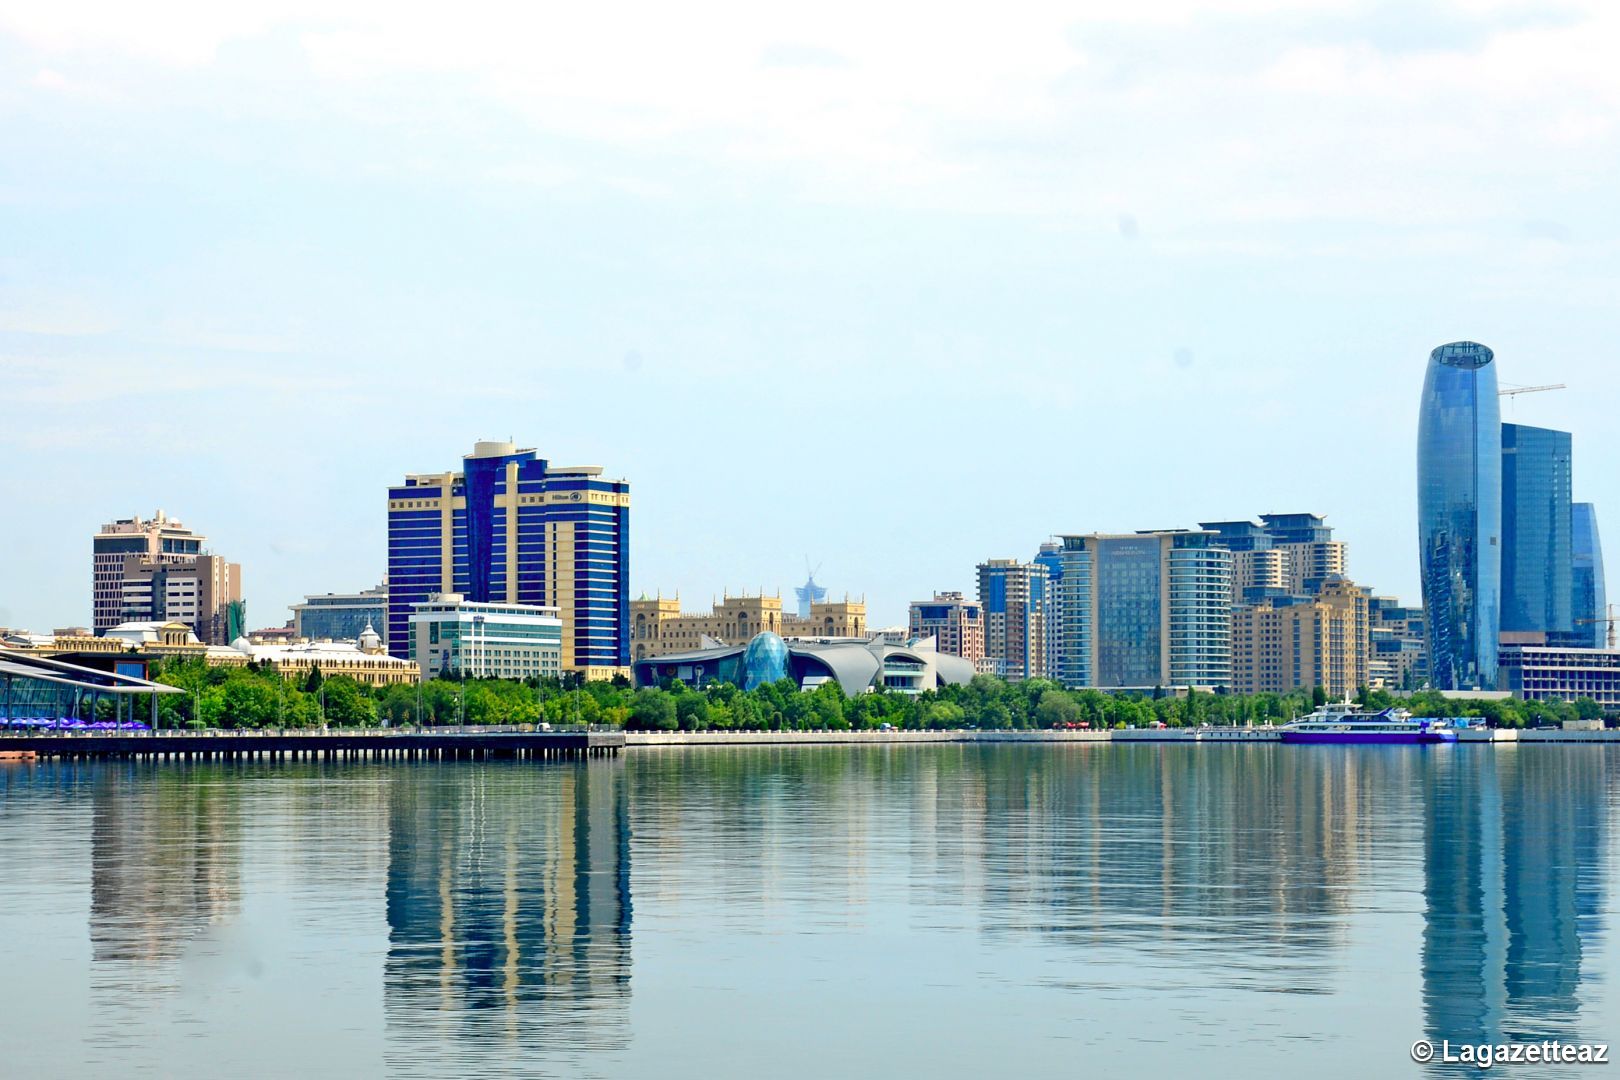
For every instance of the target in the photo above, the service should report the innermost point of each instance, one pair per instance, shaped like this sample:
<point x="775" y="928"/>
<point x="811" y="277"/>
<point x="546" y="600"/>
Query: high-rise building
<point x="157" y="571"/>
<point x="1313" y="555"/>
<point x="158" y="539"/>
<point x="1050" y="556"/>
<point x="1285" y="555"/>
<point x="1014" y="598"/>
<point x="1589" y="602"/>
<point x="1460" y="515"/>
<point x="1145" y="609"/>
<point x="510" y="527"/>
<point x="341" y="616"/>
<point x="956" y="625"/>
<point x="1260" y="568"/>
<point x="204" y="592"/>
<point x="1398" y="659"/>
<point x="1285" y="643"/>
<point x="1537" y="517"/>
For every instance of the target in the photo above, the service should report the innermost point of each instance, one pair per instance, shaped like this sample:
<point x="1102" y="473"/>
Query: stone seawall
<point x="1222" y="736"/>
<point x="829" y="738"/>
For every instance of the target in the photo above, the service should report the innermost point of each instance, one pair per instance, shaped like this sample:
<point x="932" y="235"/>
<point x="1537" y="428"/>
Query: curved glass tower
<point x="1460" y="515"/>
<point x="1589" y="602"/>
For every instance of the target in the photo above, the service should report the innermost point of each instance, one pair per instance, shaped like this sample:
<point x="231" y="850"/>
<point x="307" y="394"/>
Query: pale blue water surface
<point x="942" y="911"/>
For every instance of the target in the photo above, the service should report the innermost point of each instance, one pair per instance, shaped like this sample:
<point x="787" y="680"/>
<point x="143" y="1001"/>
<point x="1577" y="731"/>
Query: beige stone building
<point x="659" y="627"/>
<point x="363" y="660"/>
<point x="157" y="570"/>
<point x="1279" y="646"/>
<point x="1267" y="568"/>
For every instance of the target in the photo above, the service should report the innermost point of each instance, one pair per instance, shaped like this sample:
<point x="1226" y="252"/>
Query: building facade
<point x="1398" y="654"/>
<point x="658" y="626"/>
<point x="1313" y="555"/>
<point x="855" y="667"/>
<point x="451" y="635"/>
<point x="341" y="616"/>
<point x="156" y="570"/>
<point x="1537" y="519"/>
<point x="1459" y="464"/>
<point x="1285" y="643"/>
<point x="1589" y="600"/>
<point x="844" y="618"/>
<point x="363" y="659"/>
<point x="1550" y="673"/>
<point x="956" y="624"/>
<point x="1014" y="597"/>
<point x="1144" y="610"/>
<point x="1283" y="555"/>
<point x="511" y="528"/>
<point x="138" y="547"/>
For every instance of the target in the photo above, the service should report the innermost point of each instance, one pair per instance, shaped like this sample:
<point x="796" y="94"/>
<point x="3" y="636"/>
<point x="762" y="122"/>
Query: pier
<point x="346" y="745"/>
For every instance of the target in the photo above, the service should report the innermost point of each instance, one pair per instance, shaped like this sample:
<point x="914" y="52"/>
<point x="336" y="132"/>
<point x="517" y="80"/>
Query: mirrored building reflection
<point x="165" y="863"/>
<point x="508" y="910"/>
<point x="1515" y="861"/>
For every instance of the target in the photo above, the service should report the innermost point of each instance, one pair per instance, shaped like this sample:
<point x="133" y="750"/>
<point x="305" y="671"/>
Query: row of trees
<point x="258" y="697"/>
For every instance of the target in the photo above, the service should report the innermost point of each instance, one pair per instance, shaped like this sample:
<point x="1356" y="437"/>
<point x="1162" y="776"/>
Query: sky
<point x="885" y="285"/>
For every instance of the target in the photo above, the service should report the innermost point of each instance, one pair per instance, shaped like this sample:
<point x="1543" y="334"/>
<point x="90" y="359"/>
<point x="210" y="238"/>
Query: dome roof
<point x="243" y="645"/>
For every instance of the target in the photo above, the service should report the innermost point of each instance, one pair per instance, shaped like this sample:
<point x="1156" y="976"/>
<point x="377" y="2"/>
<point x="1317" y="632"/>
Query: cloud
<point x="1258" y="111"/>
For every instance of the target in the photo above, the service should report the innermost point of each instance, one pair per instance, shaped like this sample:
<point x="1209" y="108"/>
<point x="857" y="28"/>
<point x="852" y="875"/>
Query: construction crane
<point x="1610" y="619"/>
<point x="1510" y="390"/>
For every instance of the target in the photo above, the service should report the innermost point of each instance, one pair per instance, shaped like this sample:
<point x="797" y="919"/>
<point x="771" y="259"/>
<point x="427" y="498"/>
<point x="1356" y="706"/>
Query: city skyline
<point x="259" y="615"/>
<point x="267" y="257"/>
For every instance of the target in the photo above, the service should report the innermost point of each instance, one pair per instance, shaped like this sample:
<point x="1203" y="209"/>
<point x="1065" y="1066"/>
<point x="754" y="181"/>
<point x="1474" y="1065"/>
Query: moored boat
<point x="1344" y="724"/>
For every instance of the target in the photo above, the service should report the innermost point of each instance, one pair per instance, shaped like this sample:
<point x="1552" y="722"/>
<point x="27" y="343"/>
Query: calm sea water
<point x="806" y="912"/>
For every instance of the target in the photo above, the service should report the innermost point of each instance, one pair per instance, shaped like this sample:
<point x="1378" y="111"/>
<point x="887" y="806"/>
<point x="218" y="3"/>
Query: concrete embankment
<point x="862" y="738"/>
<point x="1130" y="735"/>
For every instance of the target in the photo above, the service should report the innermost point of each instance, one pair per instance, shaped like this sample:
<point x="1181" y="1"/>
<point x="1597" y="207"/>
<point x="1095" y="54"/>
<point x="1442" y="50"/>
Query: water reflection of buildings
<point x="1243" y="853"/>
<point x="1514" y="869"/>
<point x="508" y="909"/>
<point x="165" y="863"/>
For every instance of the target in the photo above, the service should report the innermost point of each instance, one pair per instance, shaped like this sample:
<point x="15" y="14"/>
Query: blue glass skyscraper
<point x="1588" y="601"/>
<point x="1460" y="514"/>
<point x="1536" y="519"/>
<point x="511" y="527"/>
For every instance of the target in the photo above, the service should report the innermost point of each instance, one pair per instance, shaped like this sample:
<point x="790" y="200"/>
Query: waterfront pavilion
<point x="39" y="692"/>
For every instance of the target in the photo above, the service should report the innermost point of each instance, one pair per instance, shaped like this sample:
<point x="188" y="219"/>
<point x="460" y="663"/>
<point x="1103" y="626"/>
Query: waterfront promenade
<point x="425" y="744"/>
<point x="525" y="743"/>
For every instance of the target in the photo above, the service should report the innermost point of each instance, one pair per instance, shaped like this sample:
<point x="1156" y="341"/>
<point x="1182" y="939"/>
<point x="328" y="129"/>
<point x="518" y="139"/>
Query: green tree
<point x="652" y="710"/>
<point x="1056" y="708"/>
<point x="692" y="712"/>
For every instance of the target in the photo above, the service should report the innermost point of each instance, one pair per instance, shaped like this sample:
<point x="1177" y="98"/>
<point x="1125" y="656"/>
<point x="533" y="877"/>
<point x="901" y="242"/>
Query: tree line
<point x="257" y="696"/>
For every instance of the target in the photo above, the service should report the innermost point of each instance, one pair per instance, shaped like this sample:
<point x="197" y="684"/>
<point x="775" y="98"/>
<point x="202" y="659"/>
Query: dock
<point x="300" y="745"/>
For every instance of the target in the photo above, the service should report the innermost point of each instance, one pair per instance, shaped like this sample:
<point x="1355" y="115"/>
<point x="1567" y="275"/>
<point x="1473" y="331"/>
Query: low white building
<point x="451" y="635"/>
<point x="363" y="659"/>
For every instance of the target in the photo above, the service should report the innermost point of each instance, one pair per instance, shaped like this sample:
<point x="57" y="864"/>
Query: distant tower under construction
<point x="809" y="593"/>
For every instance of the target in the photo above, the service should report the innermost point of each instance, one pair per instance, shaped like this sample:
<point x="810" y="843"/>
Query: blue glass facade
<point x="1460" y="514"/>
<point x="765" y="660"/>
<point x="510" y="527"/>
<point x="1588" y="600"/>
<point x="1148" y="609"/>
<point x="1536" y="521"/>
<point x="1128" y="602"/>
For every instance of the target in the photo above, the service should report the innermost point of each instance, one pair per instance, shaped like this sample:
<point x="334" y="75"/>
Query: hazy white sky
<point x="894" y="287"/>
